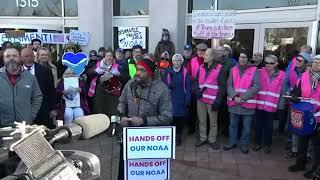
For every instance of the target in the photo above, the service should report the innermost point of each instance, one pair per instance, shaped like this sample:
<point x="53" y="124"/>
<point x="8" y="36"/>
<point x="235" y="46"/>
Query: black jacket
<point x="46" y="84"/>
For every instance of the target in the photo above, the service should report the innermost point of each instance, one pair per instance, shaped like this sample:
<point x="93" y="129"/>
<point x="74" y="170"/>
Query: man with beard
<point x="20" y="95"/>
<point x="145" y="101"/>
<point x="35" y="43"/>
<point x="46" y="84"/>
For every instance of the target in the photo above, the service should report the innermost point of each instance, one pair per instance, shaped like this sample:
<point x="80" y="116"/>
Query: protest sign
<point x="71" y="100"/>
<point x="148" y="142"/>
<point x="207" y="24"/>
<point x="81" y="38"/>
<point x="146" y="169"/>
<point x="130" y="36"/>
<point x="49" y="38"/>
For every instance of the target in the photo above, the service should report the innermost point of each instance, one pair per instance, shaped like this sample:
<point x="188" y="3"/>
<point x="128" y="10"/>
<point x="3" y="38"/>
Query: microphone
<point x="114" y="120"/>
<point x="83" y="127"/>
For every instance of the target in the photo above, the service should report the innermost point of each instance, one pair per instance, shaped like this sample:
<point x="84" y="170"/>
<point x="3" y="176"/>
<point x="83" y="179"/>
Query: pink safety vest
<point x="209" y="84"/>
<point x="293" y="77"/>
<point x="307" y="92"/>
<point x="242" y="85"/>
<point x="184" y="79"/>
<point x="269" y="93"/>
<point x="93" y="84"/>
<point x="194" y="67"/>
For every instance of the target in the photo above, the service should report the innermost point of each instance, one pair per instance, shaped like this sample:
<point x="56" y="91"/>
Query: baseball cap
<point x="187" y="47"/>
<point x="120" y="50"/>
<point x="306" y="56"/>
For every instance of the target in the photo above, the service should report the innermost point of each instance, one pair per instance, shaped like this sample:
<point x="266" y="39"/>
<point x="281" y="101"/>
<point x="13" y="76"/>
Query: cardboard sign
<point x="207" y="24"/>
<point x="81" y="38"/>
<point x="130" y="36"/>
<point x="49" y="38"/>
<point x="76" y="62"/>
<point x="72" y="100"/>
<point x="149" y="142"/>
<point x="146" y="169"/>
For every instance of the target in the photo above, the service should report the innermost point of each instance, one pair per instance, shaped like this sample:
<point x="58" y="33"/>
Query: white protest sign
<point x="72" y="100"/>
<point x="149" y="142"/>
<point x="207" y="24"/>
<point x="49" y="38"/>
<point x="146" y="169"/>
<point x="130" y="36"/>
<point x="81" y="38"/>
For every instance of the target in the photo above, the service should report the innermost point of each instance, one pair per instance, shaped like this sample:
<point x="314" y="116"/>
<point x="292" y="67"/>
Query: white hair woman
<point x="179" y="83"/>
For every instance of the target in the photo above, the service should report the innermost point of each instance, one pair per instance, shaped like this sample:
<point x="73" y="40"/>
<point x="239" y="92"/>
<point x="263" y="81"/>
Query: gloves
<point x="294" y="99"/>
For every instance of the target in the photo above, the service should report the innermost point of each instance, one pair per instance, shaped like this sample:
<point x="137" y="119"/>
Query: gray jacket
<point x="21" y="102"/>
<point x="152" y="103"/>
<point x="237" y="109"/>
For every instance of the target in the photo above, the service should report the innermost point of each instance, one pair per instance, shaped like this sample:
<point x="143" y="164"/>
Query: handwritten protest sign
<point x="81" y="38"/>
<point x="130" y="36"/>
<point x="207" y="24"/>
<point x="146" y="169"/>
<point x="49" y="38"/>
<point x="148" y="142"/>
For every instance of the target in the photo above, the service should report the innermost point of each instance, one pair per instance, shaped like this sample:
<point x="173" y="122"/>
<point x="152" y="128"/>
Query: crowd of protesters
<point x="211" y="91"/>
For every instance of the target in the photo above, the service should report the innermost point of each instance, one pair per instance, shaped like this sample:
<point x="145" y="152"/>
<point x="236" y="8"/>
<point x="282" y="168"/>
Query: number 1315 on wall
<point x="27" y="3"/>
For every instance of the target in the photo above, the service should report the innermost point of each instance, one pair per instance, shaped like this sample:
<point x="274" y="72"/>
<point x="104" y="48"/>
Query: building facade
<point x="264" y="25"/>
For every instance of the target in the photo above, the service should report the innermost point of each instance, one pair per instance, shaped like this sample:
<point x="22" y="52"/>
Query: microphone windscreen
<point x="93" y="124"/>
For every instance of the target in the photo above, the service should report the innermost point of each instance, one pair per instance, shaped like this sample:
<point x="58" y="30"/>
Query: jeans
<point x="233" y="129"/>
<point x="264" y="127"/>
<point x="72" y="113"/>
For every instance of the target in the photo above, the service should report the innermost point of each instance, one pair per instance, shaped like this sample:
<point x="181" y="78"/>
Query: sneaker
<point x="298" y="166"/>
<point x="291" y="154"/>
<point x="214" y="145"/>
<point x="267" y="149"/>
<point x="245" y="149"/>
<point x="256" y="147"/>
<point x="229" y="147"/>
<point x="200" y="143"/>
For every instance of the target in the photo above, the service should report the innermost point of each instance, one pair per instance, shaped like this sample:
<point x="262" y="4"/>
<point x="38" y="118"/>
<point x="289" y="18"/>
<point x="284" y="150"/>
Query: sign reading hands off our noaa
<point x="76" y="62"/>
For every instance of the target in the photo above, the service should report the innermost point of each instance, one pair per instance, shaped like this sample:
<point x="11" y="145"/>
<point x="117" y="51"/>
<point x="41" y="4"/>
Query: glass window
<point x="284" y="43"/>
<point x="130" y="7"/>
<point x="70" y="8"/>
<point x="247" y="4"/>
<point x="47" y="8"/>
<point x="67" y="29"/>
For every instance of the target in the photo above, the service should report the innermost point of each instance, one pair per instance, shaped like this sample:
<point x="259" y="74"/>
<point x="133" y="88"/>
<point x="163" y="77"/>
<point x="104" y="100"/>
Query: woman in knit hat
<point x="165" y="44"/>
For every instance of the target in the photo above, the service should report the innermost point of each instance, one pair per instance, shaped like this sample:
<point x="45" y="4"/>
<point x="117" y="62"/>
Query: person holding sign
<point x="145" y="101"/>
<point x="209" y="89"/>
<point x="307" y="90"/>
<point x="243" y="85"/>
<point x="72" y="97"/>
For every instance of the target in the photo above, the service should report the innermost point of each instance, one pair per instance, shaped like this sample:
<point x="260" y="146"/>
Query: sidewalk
<point x="201" y="163"/>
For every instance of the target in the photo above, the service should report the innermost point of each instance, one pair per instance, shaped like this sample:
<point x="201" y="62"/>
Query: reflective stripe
<point x="209" y="86"/>
<point x="241" y="90"/>
<point x="269" y="93"/>
<point x="267" y="103"/>
<point x="316" y="114"/>
<point x="251" y="101"/>
<point x="209" y="97"/>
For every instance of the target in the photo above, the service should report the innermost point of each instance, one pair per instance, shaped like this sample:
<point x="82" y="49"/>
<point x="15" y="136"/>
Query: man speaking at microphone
<point x="145" y="101"/>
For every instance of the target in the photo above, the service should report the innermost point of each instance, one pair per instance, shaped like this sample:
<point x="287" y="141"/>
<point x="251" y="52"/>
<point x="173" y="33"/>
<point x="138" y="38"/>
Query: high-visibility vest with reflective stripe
<point x="194" y="67"/>
<point x="312" y="96"/>
<point x="208" y="84"/>
<point x="184" y="79"/>
<point x="242" y="85"/>
<point x="132" y="69"/>
<point x="293" y="77"/>
<point x="269" y="93"/>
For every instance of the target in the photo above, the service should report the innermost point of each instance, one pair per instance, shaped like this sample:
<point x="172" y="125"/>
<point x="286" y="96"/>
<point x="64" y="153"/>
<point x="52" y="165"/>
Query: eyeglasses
<point x="271" y="63"/>
<point x="299" y="59"/>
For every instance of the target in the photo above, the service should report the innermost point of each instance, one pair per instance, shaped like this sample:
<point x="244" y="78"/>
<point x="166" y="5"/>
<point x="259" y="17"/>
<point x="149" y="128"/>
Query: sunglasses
<point x="271" y="63"/>
<point x="299" y="59"/>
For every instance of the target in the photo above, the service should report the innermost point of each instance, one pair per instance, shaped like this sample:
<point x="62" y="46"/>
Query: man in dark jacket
<point x="145" y="101"/>
<point x="45" y="80"/>
<point x="123" y="67"/>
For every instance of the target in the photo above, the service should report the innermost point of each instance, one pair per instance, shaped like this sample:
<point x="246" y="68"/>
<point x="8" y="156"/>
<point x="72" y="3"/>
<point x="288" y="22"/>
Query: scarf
<point x="315" y="78"/>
